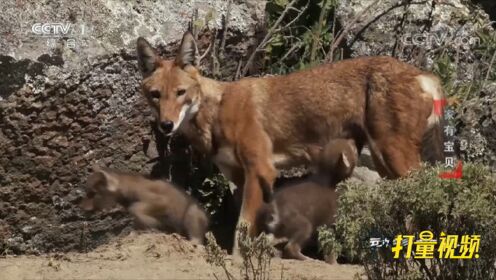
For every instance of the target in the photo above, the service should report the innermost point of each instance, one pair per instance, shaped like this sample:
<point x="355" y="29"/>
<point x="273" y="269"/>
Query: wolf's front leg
<point x="259" y="174"/>
<point x="252" y="202"/>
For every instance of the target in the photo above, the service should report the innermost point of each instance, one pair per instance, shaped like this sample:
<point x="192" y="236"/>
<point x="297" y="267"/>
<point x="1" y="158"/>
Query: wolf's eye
<point x="155" y="94"/>
<point x="181" y="92"/>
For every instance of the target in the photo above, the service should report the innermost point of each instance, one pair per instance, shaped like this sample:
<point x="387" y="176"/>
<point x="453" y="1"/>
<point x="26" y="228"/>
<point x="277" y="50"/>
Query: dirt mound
<point x="153" y="256"/>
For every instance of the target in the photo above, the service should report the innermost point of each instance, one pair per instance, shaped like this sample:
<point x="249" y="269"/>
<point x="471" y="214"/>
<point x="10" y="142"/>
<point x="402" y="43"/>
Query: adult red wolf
<point x="254" y="126"/>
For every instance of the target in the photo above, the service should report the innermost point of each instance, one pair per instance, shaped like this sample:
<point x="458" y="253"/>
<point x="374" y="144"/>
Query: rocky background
<point x="70" y="102"/>
<point x="64" y="109"/>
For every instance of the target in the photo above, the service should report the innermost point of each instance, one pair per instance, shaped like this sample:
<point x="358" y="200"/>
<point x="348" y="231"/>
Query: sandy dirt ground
<point x="154" y="256"/>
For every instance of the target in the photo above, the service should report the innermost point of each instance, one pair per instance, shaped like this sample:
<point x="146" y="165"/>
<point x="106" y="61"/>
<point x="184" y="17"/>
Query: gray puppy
<point x="298" y="209"/>
<point x="153" y="203"/>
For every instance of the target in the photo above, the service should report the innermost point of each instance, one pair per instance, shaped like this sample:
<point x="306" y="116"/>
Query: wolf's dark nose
<point x="167" y="126"/>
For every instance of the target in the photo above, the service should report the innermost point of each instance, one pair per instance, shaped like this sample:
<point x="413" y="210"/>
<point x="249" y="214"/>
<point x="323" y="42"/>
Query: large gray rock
<point x="96" y="28"/>
<point x="477" y="119"/>
<point x="106" y="26"/>
<point x="365" y="175"/>
<point x="64" y="108"/>
<point x="417" y="33"/>
<point x="413" y="32"/>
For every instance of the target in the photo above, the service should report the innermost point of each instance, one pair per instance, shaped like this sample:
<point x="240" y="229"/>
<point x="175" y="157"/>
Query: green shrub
<point x="256" y="254"/>
<point x="422" y="201"/>
<point x="304" y="36"/>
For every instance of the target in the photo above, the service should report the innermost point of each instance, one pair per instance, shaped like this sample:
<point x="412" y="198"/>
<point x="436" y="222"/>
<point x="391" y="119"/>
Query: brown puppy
<point x="153" y="203"/>
<point x="298" y="209"/>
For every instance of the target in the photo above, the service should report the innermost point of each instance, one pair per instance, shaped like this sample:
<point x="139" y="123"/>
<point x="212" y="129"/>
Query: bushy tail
<point x="433" y="138"/>
<point x="432" y="144"/>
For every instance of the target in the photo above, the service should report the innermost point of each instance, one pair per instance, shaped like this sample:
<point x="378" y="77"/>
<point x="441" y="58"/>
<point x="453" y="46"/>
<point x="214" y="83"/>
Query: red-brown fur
<point x="252" y="126"/>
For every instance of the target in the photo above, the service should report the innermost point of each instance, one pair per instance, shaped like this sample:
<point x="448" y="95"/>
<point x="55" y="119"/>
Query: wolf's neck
<point x="200" y="133"/>
<point x="211" y="90"/>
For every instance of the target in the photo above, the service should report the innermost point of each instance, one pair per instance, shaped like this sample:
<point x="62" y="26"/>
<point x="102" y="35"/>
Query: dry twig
<point x="267" y="37"/>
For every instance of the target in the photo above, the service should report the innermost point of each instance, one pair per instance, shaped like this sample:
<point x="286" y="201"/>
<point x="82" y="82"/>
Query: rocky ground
<point x="155" y="256"/>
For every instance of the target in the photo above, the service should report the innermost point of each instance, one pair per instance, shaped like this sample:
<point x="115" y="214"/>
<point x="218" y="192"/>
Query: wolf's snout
<point x="167" y="126"/>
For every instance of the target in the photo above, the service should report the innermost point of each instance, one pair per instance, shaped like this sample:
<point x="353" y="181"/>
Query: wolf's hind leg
<point x="401" y="155"/>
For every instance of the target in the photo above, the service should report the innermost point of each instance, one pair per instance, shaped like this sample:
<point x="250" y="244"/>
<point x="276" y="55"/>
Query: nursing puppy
<point x="298" y="209"/>
<point x="153" y="203"/>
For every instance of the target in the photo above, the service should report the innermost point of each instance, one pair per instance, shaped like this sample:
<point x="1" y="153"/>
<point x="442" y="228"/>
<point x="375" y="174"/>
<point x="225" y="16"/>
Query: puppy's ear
<point x="147" y="57"/>
<point x="343" y="158"/>
<point x="188" y="51"/>
<point x="112" y="182"/>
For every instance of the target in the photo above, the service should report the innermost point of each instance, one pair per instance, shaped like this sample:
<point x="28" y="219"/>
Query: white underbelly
<point x="225" y="157"/>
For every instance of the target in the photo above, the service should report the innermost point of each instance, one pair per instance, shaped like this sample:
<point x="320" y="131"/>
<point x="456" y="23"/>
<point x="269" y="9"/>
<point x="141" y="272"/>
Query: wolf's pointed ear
<point x="147" y="57"/>
<point x="112" y="181"/>
<point x="188" y="51"/>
